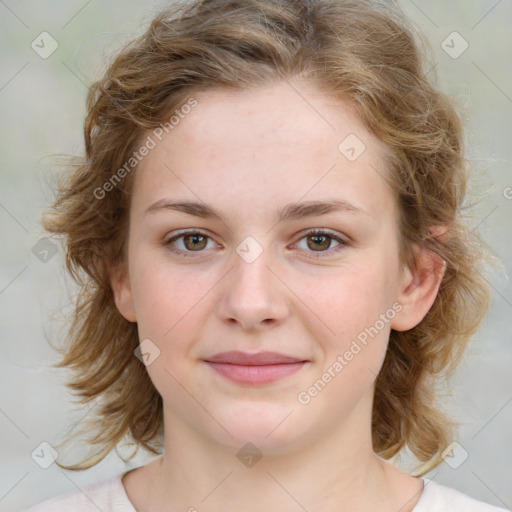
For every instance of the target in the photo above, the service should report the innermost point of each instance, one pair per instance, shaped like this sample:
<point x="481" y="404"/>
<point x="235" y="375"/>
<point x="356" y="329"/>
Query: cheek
<point x="360" y="310"/>
<point x="353" y="297"/>
<point x="357" y="307"/>
<point x="168" y="310"/>
<point x="165" y="300"/>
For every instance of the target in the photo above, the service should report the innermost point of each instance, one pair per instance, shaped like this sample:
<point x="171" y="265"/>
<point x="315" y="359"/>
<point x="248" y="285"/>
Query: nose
<point x="252" y="294"/>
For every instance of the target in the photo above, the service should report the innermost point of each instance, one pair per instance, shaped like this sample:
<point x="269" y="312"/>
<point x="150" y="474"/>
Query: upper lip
<point x="259" y="358"/>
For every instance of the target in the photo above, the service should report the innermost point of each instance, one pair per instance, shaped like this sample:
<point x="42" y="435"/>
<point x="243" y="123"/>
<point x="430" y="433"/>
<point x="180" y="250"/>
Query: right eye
<point x="190" y="241"/>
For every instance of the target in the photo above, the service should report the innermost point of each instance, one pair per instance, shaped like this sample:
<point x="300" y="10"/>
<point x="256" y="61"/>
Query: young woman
<point x="274" y="271"/>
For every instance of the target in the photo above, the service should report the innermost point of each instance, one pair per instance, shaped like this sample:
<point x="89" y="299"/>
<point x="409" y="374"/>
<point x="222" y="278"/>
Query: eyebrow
<point x="292" y="211"/>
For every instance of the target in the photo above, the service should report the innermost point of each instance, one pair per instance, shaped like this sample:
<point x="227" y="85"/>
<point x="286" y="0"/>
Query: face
<point x="274" y="272"/>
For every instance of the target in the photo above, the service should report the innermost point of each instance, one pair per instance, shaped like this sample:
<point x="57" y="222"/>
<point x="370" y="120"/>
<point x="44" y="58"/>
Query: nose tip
<point x="252" y="296"/>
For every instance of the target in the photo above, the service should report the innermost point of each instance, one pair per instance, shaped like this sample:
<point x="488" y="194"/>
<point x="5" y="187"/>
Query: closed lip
<point x="256" y="359"/>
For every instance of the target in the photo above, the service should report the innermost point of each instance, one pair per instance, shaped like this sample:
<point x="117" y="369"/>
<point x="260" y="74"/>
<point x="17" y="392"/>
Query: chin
<point x="272" y="428"/>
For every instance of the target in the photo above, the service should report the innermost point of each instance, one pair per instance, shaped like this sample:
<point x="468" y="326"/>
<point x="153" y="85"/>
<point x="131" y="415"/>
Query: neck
<point x="337" y="471"/>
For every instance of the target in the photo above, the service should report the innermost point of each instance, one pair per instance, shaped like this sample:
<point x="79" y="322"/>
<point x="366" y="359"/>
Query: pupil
<point x="320" y="237"/>
<point x="194" y="243"/>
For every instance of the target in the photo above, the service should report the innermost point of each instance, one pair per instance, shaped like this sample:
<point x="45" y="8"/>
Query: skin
<point x="248" y="154"/>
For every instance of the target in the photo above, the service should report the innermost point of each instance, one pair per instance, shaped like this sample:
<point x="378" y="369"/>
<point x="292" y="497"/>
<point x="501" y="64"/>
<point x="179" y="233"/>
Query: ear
<point x="419" y="286"/>
<point x="123" y="296"/>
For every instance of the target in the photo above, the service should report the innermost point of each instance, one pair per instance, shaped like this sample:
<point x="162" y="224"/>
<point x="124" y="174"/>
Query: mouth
<point x="255" y="369"/>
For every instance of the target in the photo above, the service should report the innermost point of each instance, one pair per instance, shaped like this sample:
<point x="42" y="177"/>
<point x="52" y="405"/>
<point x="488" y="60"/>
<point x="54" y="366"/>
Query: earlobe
<point x="418" y="289"/>
<point x="123" y="296"/>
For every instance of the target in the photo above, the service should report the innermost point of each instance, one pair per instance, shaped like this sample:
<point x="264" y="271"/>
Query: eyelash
<point x="317" y="254"/>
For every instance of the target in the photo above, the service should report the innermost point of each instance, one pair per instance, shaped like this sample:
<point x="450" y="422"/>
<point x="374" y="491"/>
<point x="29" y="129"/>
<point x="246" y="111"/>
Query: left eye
<point x="320" y="242"/>
<point x="195" y="241"/>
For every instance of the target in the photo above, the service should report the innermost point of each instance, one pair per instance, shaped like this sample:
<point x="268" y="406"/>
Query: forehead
<point x="283" y="114"/>
<point x="282" y="140"/>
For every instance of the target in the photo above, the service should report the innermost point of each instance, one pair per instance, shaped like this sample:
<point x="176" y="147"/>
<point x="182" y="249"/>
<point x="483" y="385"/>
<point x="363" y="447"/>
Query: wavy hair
<point x="364" y="52"/>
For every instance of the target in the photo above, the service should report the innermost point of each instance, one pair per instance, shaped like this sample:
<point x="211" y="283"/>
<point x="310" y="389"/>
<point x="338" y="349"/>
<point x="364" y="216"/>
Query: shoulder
<point x="439" y="498"/>
<point x="107" y="496"/>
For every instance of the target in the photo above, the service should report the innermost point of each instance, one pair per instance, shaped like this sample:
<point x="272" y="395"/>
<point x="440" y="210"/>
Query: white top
<point x="110" y="496"/>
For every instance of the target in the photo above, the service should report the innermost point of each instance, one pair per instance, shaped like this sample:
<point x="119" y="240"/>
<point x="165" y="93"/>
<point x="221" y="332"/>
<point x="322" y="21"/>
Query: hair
<point x="362" y="52"/>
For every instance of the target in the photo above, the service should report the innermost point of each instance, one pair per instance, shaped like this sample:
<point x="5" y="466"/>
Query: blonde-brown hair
<point x="360" y="51"/>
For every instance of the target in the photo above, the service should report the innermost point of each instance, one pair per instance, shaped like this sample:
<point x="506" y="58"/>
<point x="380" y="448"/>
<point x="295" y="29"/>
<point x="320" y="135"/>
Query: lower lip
<point x="256" y="374"/>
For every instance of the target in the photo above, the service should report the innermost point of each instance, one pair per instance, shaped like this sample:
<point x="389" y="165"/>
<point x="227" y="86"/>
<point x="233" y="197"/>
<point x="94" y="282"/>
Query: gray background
<point x="42" y="109"/>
